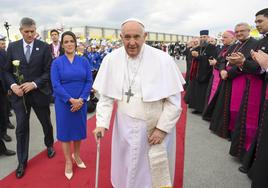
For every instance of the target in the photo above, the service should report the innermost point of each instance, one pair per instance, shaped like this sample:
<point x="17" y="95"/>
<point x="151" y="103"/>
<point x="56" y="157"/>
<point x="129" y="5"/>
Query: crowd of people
<point x="4" y="107"/>
<point x="227" y="85"/>
<point x="174" y="49"/>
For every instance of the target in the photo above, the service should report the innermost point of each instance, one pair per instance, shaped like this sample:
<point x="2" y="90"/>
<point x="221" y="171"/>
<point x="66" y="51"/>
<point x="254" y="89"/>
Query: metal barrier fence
<point x="91" y="32"/>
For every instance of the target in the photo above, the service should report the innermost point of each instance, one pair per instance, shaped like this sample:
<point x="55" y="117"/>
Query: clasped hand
<point x="76" y="104"/>
<point x="236" y="59"/>
<point x="260" y="57"/>
<point x="212" y="62"/>
<point x="195" y="53"/>
<point x="224" y="74"/>
<point x="22" y="89"/>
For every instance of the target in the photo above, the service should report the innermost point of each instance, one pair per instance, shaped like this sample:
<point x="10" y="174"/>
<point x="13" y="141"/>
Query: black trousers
<point x="23" y="130"/>
<point x="3" y="111"/>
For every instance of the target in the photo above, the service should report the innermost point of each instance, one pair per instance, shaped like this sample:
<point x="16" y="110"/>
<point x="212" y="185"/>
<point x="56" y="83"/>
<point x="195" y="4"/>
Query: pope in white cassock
<point x="146" y="84"/>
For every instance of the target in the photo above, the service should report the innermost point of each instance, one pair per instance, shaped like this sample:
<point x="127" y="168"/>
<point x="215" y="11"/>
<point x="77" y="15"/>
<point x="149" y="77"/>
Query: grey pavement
<point x="207" y="162"/>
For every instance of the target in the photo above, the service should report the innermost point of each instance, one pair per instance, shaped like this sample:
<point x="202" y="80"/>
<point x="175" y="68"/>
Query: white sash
<point x="150" y="113"/>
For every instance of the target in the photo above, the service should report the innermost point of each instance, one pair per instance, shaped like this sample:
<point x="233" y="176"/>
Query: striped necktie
<point x="28" y="53"/>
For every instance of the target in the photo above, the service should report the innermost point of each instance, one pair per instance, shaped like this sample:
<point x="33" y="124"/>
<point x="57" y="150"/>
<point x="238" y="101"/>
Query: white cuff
<point x="35" y="86"/>
<point x="263" y="70"/>
<point x="12" y="85"/>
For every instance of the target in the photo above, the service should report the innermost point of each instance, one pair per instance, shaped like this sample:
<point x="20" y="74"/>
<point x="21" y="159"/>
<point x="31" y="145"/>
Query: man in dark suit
<point x="4" y="119"/>
<point x="9" y="125"/>
<point x="33" y="61"/>
<point x="3" y="101"/>
<point x="55" y="47"/>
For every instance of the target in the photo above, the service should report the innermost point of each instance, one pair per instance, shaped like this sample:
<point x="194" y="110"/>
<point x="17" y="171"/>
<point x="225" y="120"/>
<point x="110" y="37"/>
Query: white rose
<point x="16" y="63"/>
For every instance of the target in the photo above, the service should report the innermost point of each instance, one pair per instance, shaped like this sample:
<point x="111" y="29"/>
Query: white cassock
<point x="156" y="83"/>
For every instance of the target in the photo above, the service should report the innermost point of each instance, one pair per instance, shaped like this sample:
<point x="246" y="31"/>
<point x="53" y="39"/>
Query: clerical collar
<point x="240" y="45"/>
<point x="240" y="42"/>
<point x="138" y="56"/>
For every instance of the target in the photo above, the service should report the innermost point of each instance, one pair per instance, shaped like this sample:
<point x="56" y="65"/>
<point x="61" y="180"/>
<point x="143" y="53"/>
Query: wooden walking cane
<point x="98" y="159"/>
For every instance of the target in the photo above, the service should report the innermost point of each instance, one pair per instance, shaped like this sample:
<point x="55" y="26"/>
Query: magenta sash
<point x="238" y="88"/>
<point x="266" y="92"/>
<point x="253" y="107"/>
<point x="215" y="84"/>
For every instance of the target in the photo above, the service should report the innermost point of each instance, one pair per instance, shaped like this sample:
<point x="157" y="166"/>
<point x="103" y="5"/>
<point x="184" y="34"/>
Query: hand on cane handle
<point x="99" y="133"/>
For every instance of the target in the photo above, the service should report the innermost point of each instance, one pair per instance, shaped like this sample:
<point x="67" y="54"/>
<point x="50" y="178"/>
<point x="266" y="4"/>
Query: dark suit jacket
<point x="250" y="65"/>
<point x="3" y="61"/>
<point x="51" y="50"/>
<point x="37" y="70"/>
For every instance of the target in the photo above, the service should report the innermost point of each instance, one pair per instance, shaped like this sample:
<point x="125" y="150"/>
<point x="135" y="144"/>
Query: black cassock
<point x="220" y="119"/>
<point x="260" y="165"/>
<point x="249" y="157"/>
<point x="188" y="65"/>
<point x="210" y="103"/>
<point x="256" y="159"/>
<point x="241" y="134"/>
<point x="199" y="79"/>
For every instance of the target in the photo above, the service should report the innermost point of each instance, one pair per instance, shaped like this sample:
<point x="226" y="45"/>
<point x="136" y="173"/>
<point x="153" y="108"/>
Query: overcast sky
<point x="170" y="16"/>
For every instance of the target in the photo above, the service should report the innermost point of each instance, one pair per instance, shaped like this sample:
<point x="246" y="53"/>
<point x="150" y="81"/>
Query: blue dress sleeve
<point x="58" y="90"/>
<point x="88" y="82"/>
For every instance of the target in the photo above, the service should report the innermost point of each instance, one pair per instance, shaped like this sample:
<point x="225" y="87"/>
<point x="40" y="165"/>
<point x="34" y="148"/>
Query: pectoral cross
<point x="129" y="94"/>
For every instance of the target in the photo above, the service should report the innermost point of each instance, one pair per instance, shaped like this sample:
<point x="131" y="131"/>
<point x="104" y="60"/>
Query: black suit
<point x="61" y="51"/>
<point x="3" y="96"/>
<point x="38" y="71"/>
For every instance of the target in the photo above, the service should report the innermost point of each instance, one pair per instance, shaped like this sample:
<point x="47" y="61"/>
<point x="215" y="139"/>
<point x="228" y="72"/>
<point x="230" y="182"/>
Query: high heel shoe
<point x="68" y="175"/>
<point x="81" y="165"/>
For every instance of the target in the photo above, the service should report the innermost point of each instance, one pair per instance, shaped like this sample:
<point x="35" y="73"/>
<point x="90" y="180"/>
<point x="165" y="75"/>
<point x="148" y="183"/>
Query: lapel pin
<point x="37" y="49"/>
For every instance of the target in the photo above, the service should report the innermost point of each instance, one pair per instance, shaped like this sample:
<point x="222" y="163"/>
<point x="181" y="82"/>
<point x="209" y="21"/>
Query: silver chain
<point x="135" y="73"/>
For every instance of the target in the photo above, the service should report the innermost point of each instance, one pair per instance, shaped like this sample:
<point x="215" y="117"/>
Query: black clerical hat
<point x="204" y="32"/>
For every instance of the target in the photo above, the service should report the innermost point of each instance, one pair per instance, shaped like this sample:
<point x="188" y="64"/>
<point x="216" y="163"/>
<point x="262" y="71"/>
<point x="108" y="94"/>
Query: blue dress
<point x="70" y="80"/>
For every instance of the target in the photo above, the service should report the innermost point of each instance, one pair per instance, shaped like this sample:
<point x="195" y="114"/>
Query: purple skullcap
<point x="231" y="32"/>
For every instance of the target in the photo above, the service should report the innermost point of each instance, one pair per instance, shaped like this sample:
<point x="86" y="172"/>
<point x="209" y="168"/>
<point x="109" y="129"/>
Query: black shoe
<point x="50" y="152"/>
<point x="6" y="138"/>
<point x="10" y="126"/>
<point x="243" y="169"/>
<point x="20" y="171"/>
<point x="196" y="112"/>
<point x="95" y="100"/>
<point x="8" y="152"/>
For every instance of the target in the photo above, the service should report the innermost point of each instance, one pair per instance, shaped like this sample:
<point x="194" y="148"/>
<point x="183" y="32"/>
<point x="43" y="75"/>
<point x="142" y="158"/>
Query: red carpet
<point x="49" y="173"/>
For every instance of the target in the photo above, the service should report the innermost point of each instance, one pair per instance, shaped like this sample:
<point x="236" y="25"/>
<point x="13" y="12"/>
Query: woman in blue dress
<point x="71" y="80"/>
